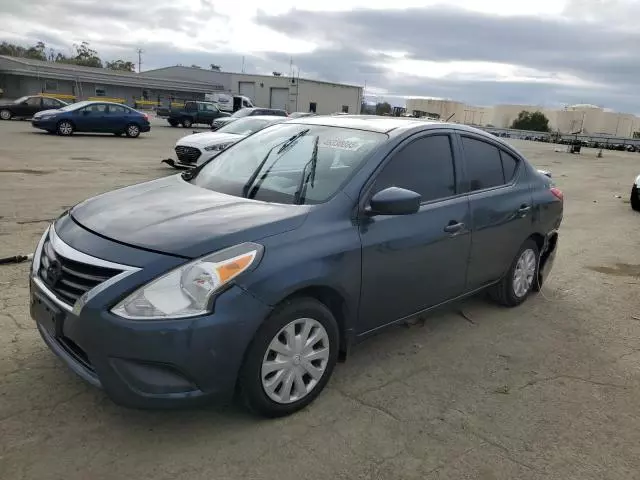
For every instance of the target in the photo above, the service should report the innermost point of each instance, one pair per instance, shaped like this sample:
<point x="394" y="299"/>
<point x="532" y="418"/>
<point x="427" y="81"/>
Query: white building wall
<point x="328" y="97"/>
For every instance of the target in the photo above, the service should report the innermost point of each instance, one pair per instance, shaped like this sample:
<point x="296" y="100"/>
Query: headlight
<point x="187" y="291"/>
<point x="218" y="146"/>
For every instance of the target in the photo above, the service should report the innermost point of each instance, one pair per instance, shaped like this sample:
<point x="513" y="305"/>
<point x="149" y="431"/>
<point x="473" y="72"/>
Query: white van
<point x="227" y="102"/>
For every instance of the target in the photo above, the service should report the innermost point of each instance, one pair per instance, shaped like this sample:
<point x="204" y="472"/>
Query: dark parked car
<point x="255" y="272"/>
<point x="97" y="117"/>
<point x="26" y="107"/>
<point x="246" y="112"/>
<point x="191" y="113"/>
<point x="635" y="195"/>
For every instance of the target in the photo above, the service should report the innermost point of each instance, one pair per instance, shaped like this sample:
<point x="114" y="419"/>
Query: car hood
<point x="172" y="216"/>
<point x="205" y="139"/>
<point x="46" y="112"/>
<point x="224" y="120"/>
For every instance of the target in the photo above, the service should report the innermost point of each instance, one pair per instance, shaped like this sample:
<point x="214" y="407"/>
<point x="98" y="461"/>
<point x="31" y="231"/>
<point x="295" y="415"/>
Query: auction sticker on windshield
<point x="342" y="144"/>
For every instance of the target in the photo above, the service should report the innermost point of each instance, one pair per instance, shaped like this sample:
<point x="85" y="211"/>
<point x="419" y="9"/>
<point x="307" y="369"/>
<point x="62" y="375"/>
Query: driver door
<point x="413" y="262"/>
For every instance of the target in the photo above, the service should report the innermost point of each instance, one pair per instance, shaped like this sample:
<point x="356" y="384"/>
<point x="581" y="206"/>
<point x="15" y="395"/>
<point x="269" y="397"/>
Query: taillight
<point x="146" y="117"/>
<point x="557" y="193"/>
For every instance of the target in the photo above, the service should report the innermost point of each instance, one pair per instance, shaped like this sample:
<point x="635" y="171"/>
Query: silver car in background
<point x="198" y="148"/>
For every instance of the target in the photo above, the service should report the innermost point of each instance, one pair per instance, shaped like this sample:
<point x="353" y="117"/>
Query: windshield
<point x="73" y="106"/>
<point x="246" y="126"/>
<point x="21" y="99"/>
<point x="274" y="164"/>
<point x="244" y="112"/>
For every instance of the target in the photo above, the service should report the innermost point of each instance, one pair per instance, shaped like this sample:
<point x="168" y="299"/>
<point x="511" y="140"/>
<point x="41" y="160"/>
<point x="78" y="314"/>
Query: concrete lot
<point x="547" y="390"/>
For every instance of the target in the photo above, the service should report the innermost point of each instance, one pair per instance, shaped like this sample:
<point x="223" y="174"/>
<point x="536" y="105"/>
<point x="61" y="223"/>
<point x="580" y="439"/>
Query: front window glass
<point x="290" y="163"/>
<point x="245" y="126"/>
<point x="21" y="99"/>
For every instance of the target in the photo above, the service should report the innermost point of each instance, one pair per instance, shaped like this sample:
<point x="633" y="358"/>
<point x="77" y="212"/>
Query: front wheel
<point x="5" y="114"/>
<point x="133" y="131"/>
<point x="290" y="359"/>
<point x="635" y="199"/>
<point x="516" y="285"/>
<point x="186" y="123"/>
<point x="65" y="128"/>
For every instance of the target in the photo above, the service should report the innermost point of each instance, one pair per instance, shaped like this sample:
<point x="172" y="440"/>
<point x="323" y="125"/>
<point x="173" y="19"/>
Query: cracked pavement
<point x="547" y="390"/>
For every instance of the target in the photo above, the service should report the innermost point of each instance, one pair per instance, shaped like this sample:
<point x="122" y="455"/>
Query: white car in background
<point x="198" y="148"/>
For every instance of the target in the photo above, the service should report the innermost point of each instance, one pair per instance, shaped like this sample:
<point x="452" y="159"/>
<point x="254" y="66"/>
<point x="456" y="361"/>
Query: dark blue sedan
<point x="95" y="117"/>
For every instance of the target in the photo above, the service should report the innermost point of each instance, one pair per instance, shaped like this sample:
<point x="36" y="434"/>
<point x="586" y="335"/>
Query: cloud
<point x="550" y="52"/>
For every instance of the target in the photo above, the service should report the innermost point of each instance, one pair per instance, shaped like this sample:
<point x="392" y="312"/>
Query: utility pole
<point x="242" y="70"/>
<point x="140" y="60"/>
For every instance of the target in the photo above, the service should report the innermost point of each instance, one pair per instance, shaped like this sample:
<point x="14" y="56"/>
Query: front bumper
<point x="43" y="124"/>
<point x="150" y="363"/>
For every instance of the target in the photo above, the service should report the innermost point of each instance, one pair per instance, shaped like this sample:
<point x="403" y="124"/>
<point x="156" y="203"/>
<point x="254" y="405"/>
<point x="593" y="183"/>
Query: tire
<point x="634" y="200"/>
<point x="65" y="128"/>
<point x="132" y="130"/>
<point x="505" y="292"/>
<point x="299" y="316"/>
<point x="187" y="122"/>
<point x="5" y="114"/>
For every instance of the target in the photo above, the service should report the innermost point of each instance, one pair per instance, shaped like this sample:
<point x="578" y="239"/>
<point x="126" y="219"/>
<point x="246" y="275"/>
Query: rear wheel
<point x="516" y="285"/>
<point x="64" y="128"/>
<point x="186" y="122"/>
<point x="290" y="359"/>
<point x="635" y="199"/>
<point x="133" y="131"/>
<point x="5" y="114"/>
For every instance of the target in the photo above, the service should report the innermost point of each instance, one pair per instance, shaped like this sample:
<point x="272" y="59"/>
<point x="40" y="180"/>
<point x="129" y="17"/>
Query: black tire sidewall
<point x="250" y="381"/>
<point x="635" y="201"/>
<point x="511" y="297"/>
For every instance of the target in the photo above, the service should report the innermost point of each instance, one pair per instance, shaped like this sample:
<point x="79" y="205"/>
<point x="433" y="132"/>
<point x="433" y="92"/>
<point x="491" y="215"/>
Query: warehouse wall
<point x="16" y="86"/>
<point x="328" y="97"/>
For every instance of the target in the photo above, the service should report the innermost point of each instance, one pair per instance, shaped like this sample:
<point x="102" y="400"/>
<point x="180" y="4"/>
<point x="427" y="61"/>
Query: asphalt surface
<point x="547" y="390"/>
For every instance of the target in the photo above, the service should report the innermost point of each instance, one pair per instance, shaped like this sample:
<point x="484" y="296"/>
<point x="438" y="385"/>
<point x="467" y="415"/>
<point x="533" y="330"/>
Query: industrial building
<point x="584" y="118"/>
<point x="23" y="76"/>
<point x="289" y="93"/>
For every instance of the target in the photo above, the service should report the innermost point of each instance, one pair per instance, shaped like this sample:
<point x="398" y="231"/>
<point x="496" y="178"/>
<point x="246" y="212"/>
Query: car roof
<point x="383" y="124"/>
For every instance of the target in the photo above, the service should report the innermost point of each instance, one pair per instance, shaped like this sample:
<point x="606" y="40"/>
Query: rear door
<point x="117" y="117"/>
<point x="412" y="262"/>
<point x="501" y="217"/>
<point x="92" y="118"/>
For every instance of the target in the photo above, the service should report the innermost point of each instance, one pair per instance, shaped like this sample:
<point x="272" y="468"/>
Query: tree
<point x="36" y="51"/>
<point x="121" y="66"/>
<point x="215" y="68"/>
<point x="535" y="121"/>
<point x="195" y="66"/>
<point x="383" y="108"/>
<point x="86" y="56"/>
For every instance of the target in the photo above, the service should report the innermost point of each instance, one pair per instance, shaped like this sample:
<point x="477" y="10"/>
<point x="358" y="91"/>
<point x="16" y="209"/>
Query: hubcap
<point x="295" y="360"/>
<point x="524" y="273"/>
<point x="5" y="114"/>
<point x="133" y="130"/>
<point x="65" y="128"/>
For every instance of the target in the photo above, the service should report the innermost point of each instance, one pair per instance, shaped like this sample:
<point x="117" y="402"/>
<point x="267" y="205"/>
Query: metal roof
<point x="256" y="75"/>
<point x="61" y="71"/>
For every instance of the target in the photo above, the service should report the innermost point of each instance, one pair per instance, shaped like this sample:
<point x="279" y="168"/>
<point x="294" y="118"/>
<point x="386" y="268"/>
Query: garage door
<point x="279" y="98"/>
<point x="247" y="89"/>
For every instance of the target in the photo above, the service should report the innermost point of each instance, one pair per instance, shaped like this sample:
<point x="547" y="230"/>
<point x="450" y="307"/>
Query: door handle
<point x="524" y="209"/>
<point x="454" y="227"/>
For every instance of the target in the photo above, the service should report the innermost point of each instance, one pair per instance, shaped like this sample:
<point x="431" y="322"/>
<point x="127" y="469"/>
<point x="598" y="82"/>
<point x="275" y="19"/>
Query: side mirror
<point x="394" y="201"/>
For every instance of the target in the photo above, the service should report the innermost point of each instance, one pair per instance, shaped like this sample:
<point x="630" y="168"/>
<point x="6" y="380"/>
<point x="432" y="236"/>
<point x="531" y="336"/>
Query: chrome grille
<point x="187" y="154"/>
<point x="69" y="279"/>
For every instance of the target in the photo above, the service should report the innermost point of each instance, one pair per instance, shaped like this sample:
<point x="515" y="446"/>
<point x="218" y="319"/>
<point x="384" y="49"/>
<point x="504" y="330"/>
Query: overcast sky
<point x="545" y="52"/>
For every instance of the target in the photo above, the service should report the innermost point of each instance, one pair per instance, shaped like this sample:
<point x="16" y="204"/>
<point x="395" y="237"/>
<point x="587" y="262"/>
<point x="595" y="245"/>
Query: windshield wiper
<point x="286" y="145"/>
<point x="301" y="192"/>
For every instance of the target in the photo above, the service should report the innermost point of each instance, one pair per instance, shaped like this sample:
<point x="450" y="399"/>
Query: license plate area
<point x="47" y="314"/>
